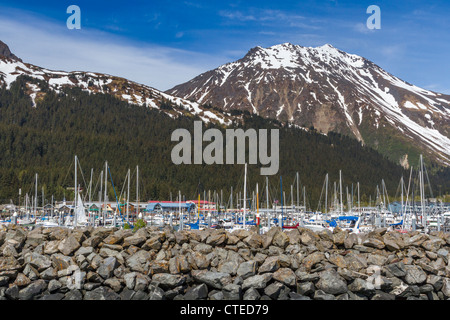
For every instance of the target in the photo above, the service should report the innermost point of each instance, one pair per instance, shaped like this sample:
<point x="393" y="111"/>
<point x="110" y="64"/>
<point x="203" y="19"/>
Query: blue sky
<point x="164" y="43"/>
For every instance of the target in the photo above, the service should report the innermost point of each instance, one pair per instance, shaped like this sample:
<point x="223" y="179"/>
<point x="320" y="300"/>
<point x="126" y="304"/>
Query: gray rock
<point x="216" y="280"/>
<point x="312" y="259"/>
<point x="274" y="289"/>
<point x="216" y="295"/>
<point x="84" y="251"/>
<point x="73" y="295"/>
<point x="271" y="264"/>
<point x="31" y="272"/>
<point x="49" y="274"/>
<point x="92" y="242"/>
<point x="55" y="296"/>
<point x="380" y="295"/>
<point x="130" y="280"/>
<point x="142" y="281"/>
<point x="230" y="267"/>
<point x="203" y="248"/>
<point x="3" y="281"/>
<point x="254" y="241"/>
<point x="414" y="275"/>
<point x="54" y="285"/>
<point x="199" y="292"/>
<point x="397" y="269"/>
<point x="436" y="281"/>
<point x="114" y="284"/>
<point x="34" y="239"/>
<point x="306" y="288"/>
<point x="356" y="296"/>
<point x="91" y="286"/>
<point x="60" y="261"/>
<point x="127" y="294"/>
<point x="433" y="244"/>
<point x="134" y="240"/>
<point x="139" y="261"/>
<point x="9" y="251"/>
<point x="172" y="293"/>
<point x="232" y="292"/>
<point x="68" y="245"/>
<point x="286" y="276"/>
<point x="156" y="293"/>
<point x="21" y="280"/>
<point x="280" y="240"/>
<point x="297" y="296"/>
<point x="331" y="282"/>
<point x="258" y="281"/>
<point x="32" y="290"/>
<point x="321" y="295"/>
<point x="140" y="295"/>
<point x="303" y="276"/>
<point x="446" y="287"/>
<point x="169" y="281"/>
<point x="426" y="288"/>
<point x="101" y="293"/>
<point x="12" y="292"/>
<point x="9" y="264"/>
<point x="247" y="269"/>
<point x="107" y="268"/>
<point x="251" y="294"/>
<point x="362" y="286"/>
<point x="404" y="291"/>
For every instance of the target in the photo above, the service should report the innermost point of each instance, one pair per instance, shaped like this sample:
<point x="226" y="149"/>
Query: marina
<point x="248" y="209"/>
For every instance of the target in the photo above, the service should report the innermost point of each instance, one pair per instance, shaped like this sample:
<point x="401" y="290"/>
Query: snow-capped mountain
<point x="12" y="67"/>
<point x="333" y="91"/>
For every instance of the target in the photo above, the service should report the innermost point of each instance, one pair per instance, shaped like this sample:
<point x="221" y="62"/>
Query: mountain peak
<point x="4" y="51"/>
<point x="331" y="90"/>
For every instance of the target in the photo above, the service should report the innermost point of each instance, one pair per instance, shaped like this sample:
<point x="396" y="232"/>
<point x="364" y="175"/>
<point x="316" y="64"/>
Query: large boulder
<point x="258" y="281"/>
<point x="68" y="245"/>
<point x="101" y="293"/>
<point x="32" y="290"/>
<point x="285" y="276"/>
<point x="216" y="280"/>
<point x="168" y="281"/>
<point x="107" y="268"/>
<point x="331" y="282"/>
<point x="247" y="269"/>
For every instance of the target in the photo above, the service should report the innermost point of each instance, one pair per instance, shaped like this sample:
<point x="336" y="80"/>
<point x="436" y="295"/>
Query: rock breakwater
<point x="153" y="264"/>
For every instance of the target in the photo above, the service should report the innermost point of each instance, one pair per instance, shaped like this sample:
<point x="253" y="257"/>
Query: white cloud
<point x="362" y="28"/>
<point x="51" y="45"/>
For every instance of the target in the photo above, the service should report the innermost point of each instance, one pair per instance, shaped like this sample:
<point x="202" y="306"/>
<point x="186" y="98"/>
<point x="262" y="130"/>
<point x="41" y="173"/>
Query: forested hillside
<point x="99" y="128"/>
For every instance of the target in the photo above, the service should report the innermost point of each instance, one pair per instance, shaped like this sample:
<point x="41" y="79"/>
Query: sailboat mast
<point x="231" y="198"/>
<point x="100" y="211"/>
<point x="281" y="195"/>
<point x="326" y="194"/>
<point x="422" y="193"/>
<point x="245" y="190"/>
<point x="128" y="197"/>
<point x="340" y="189"/>
<point x="359" y="203"/>
<point x="298" y="198"/>
<point x="76" y="195"/>
<point x="292" y="195"/>
<point x="257" y="207"/>
<point x="35" y="197"/>
<point x="105" y="212"/>
<point x="304" y="197"/>
<point x="137" y="191"/>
